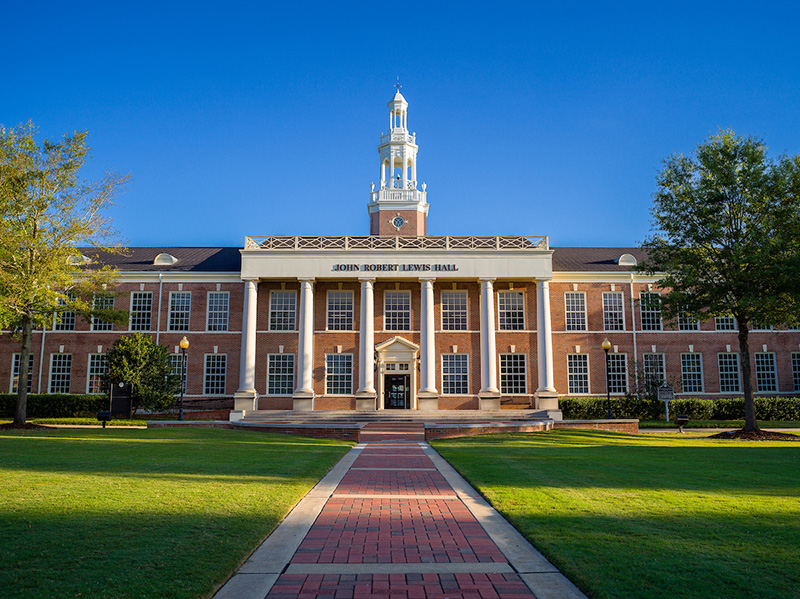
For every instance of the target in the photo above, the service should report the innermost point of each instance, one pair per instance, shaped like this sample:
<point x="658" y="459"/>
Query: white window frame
<point x="578" y="374"/>
<point x="504" y="312"/>
<point x="761" y="373"/>
<point x="177" y="311"/>
<point x="397" y="314"/>
<point x="67" y="319"/>
<point x="207" y="384"/>
<point x="796" y="370"/>
<point x="68" y="378"/>
<point x="687" y="324"/>
<point x="275" y="314"/>
<point x="686" y="373"/>
<point x="341" y="389"/>
<point x="455" y="378"/>
<point x="16" y="366"/>
<point x="575" y="310"/>
<point x="725" y="323"/>
<point x="140" y="313"/>
<point x="95" y="370"/>
<point x="726" y="370"/>
<point x="108" y="300"/>
<point x="453" y="314"/>
<point x="657" y="359"/>
<point x="608" y="314"/>
<point x="648" y="313"/>
<point x="222" y="318"/>
<point x="510" y="387"/>
<point x="291" y="383"/>
<point x="342" y="318"/>
<point x="617" y="373"/>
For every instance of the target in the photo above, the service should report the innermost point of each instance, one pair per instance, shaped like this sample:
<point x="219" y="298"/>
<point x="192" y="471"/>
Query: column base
<point x="546" y="399"/>
<point x="365" y="402"/>
<point x="427" y="401"/>
<point x="303" y="402"/>
<point x="245" y="401"/>
<point x="489" y="400"/>
<point x="236" y="415"/>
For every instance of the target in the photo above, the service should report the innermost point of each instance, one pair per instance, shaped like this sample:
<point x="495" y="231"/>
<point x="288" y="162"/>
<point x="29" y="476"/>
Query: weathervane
<point x="397" y="85"/>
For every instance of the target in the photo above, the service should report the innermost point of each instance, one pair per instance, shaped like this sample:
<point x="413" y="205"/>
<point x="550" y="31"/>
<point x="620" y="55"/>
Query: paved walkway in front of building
<point x="393" y="519"/>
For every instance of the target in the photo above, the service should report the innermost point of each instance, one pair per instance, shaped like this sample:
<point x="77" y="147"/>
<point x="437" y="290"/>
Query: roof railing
<point x="397" y="242"/>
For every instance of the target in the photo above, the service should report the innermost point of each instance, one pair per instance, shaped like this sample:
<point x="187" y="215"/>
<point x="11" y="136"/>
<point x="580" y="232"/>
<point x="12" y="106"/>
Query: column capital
<point x="306" y="279"/>
<point x="366" y="279"/>
<point x="250" y="279"/>
<point x="427" y="279"/>
<point x="487" y="279"/>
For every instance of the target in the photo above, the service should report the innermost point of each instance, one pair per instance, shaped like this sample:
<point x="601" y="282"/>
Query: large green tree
<point x="138" y="360"/>
<point x="47" y="213"/>
<point x="726" y="239"/>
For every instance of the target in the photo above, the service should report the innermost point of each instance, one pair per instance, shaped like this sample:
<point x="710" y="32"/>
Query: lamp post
<point x="607" y="346"/>
<point x="184" y="343"/>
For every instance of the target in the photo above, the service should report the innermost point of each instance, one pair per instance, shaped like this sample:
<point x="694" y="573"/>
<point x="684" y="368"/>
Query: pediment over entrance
<point x="398" y="349"/>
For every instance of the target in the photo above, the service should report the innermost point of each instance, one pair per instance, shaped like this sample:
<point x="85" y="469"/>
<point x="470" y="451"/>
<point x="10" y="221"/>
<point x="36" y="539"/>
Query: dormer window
<point x="164" y="259"/>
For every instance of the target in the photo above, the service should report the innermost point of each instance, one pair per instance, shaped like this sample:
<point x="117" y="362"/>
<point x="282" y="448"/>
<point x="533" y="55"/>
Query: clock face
<point x="398" y="221"/>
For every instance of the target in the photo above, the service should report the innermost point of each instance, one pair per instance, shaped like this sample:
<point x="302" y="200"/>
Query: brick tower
<point x="398" y="207"/>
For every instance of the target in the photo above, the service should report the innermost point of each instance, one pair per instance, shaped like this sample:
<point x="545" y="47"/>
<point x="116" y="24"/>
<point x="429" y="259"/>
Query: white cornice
<point x="603" y="276"/>
<point x="177" y="277"/>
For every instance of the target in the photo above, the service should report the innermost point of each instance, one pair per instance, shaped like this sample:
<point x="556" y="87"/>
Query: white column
<point x="427" y="352"/>
<point x="405" y="171"/>
<point x="414" y="172"/>
<point x="488" y="345"/>
<point x="247" y="362"/>
<point x="305" y="346"/>
<point x="383" y="175"/>
<point x="546" y="393"/>
<point x="366" y="341"/>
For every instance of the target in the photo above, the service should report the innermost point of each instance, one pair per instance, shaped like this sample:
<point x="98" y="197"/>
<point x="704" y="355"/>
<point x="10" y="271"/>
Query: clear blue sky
<point x="532" y="118"/>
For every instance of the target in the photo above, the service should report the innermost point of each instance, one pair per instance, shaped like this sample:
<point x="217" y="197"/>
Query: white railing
<point x="398" y="195"/>
<point x="375" y="242"/>
<point x="409" y="137"/>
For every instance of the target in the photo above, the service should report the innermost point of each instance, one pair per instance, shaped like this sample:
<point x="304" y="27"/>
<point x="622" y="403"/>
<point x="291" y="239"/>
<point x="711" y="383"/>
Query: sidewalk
<point x="393" y="519"/>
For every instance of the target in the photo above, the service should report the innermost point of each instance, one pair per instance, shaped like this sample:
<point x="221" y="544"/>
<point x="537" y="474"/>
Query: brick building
<point x="398" y="319"/>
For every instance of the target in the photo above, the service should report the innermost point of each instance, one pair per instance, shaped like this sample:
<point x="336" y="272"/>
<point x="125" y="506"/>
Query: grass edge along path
<point x="124" y="513"/>
<point x="647" y="516"/>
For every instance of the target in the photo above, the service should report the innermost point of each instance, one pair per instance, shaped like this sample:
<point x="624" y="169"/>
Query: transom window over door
<point x="397" y="310"/>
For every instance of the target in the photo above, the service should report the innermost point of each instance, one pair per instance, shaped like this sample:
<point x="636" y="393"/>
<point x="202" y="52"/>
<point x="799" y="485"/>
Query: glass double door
<point x="397" y="391"/>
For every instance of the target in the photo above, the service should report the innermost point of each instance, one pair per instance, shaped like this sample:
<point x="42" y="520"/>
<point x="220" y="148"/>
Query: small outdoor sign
<point x="666" y="394"/>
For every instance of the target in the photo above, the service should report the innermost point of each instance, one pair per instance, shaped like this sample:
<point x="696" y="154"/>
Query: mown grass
<point x="719" y="424"/>
<point x="120" y="513"/>
<point x="83" y="422"/>
<point x="648" y="516"/>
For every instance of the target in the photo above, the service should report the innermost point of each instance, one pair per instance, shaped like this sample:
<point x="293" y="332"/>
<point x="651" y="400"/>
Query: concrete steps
<point x="419" y="416"/>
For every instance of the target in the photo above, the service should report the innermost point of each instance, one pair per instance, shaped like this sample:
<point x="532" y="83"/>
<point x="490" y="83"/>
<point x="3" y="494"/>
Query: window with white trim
<point x="15" y="368"/>
<point x="340" y="311"/>
<point x="513" y="374"/>
<point x="655" y="371"/>
<point x="60" y="373"/>
<point x="177" y="368"/>
<point x="510" y="311"/>
<point x="455" y="374"/>
<point x="338" y="374"/>
<point x="729" y="381"/>
<point x="180" y="309"/>
<point x="283" y="311"/>
<point x="766" y="372"/>
<point x="454" y="311"/>
<point x="578" y="373"/>
<point x="757" y="326"/>
<point x="280" y="374"/>
<point x="141" y="311"/>
<point x="98" y="366"/>
<point x="218" y="309"/>
<point x="725" y="323"/>
<point x="102" y="302"/>
<point x="692" y="372"/>
<point x="214" y="377"/>
<point x="650" y="310"/>
<point x="575" y="310"/>
<point x="687" y="323"/>
<point x="613" y="311"/>
<point x="617" y="373"/>
<point x="65" y="319"/>
<point x="796" y="370"/>
<point x="397" y="310"/>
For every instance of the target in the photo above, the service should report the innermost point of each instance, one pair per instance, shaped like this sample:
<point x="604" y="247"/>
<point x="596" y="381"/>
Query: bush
<point x="54" y="405"/>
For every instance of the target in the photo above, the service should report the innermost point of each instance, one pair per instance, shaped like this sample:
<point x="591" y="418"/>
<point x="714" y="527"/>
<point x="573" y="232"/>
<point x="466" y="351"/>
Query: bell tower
<point x="398" y="206"/>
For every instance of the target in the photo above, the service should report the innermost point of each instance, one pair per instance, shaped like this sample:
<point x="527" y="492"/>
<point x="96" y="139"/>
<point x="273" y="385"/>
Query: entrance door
<point x="397" y="392"/>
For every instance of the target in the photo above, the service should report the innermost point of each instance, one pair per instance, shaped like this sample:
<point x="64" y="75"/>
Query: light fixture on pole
<point x="184" y="343"/>
<point x="607" y="346"/>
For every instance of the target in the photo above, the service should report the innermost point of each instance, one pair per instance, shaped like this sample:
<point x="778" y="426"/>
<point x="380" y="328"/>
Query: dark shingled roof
<point x="592" y="259"/>
<point x="190" y="259"/>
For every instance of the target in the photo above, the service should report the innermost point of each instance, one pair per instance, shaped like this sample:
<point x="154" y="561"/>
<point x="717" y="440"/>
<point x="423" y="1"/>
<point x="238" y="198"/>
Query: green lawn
<point x="650" y="516"/>
<point x="143" y="513"/>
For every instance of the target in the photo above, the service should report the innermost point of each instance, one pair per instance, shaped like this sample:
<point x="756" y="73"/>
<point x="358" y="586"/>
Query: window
<point x="685" y="323"/>
<point x="757" y="326"/>
<point x="98" y="365"/>
<point x="340" y="310"/>
<point x="141" y="310"/>
<point x="454" y="311"/>
<point x="64" y="320"/>
<point x="513" y="374"/>
<point x="338" y="374"/>
<point x="280" y="374"/>
<point x="282" y="311"/>
<point x="613" y="311"/>
<point x="455" y="370"/>
<point x="102" y="302"/>
<point x="216" y="367"/>
<point x="397" y="311"/>
<point x="725" y="323"/>
<point x="180" y="307"/>
<point x="654" y="370"/>
<point x="578" y="373"/>
<point x="766" y="374"/>
<point x="15" y="364"/>
<point x="796" y="370"/>
<point x="575" y="310"/>
<point x="692" y="373"/>
<point x="177" y="368"/>
<point x="729" y="373"/>
<point x="617" y="373"/>
<point x="650" y="306"/>
<point x="60" y="372"/>
<point x="511" y="310"/>
<point x="217" y="312"/>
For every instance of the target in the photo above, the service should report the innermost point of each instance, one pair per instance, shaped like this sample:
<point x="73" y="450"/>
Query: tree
<point x="137" y="359"/>
<point x="46" y="214"/>
<point x="726" y="239"/>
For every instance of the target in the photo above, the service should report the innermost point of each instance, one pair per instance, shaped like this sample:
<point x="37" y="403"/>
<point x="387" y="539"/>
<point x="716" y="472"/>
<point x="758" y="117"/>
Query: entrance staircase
<point x="399" y="416"/>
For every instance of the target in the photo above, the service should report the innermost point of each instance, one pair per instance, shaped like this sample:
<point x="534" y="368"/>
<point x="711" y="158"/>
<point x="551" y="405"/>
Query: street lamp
<point x="607" y="346"/>
<point x="184" y="343"/>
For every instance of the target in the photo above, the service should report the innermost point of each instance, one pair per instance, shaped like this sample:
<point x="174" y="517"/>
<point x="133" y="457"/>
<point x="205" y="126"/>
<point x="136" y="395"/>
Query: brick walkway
<point x="394" y="527"/>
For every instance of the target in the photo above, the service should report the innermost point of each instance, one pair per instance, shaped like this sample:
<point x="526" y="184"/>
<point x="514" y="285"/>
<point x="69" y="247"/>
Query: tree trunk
<point x="22" y="381"/>
<point x="750" y="422"/>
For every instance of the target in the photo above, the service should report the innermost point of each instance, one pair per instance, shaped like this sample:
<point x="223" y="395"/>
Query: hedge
<point x="728" y="408"/>
<point x="54" y="405"/>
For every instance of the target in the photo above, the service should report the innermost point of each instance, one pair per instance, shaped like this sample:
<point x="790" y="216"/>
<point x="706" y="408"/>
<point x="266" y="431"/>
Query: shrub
<point x="54" y="405"/>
